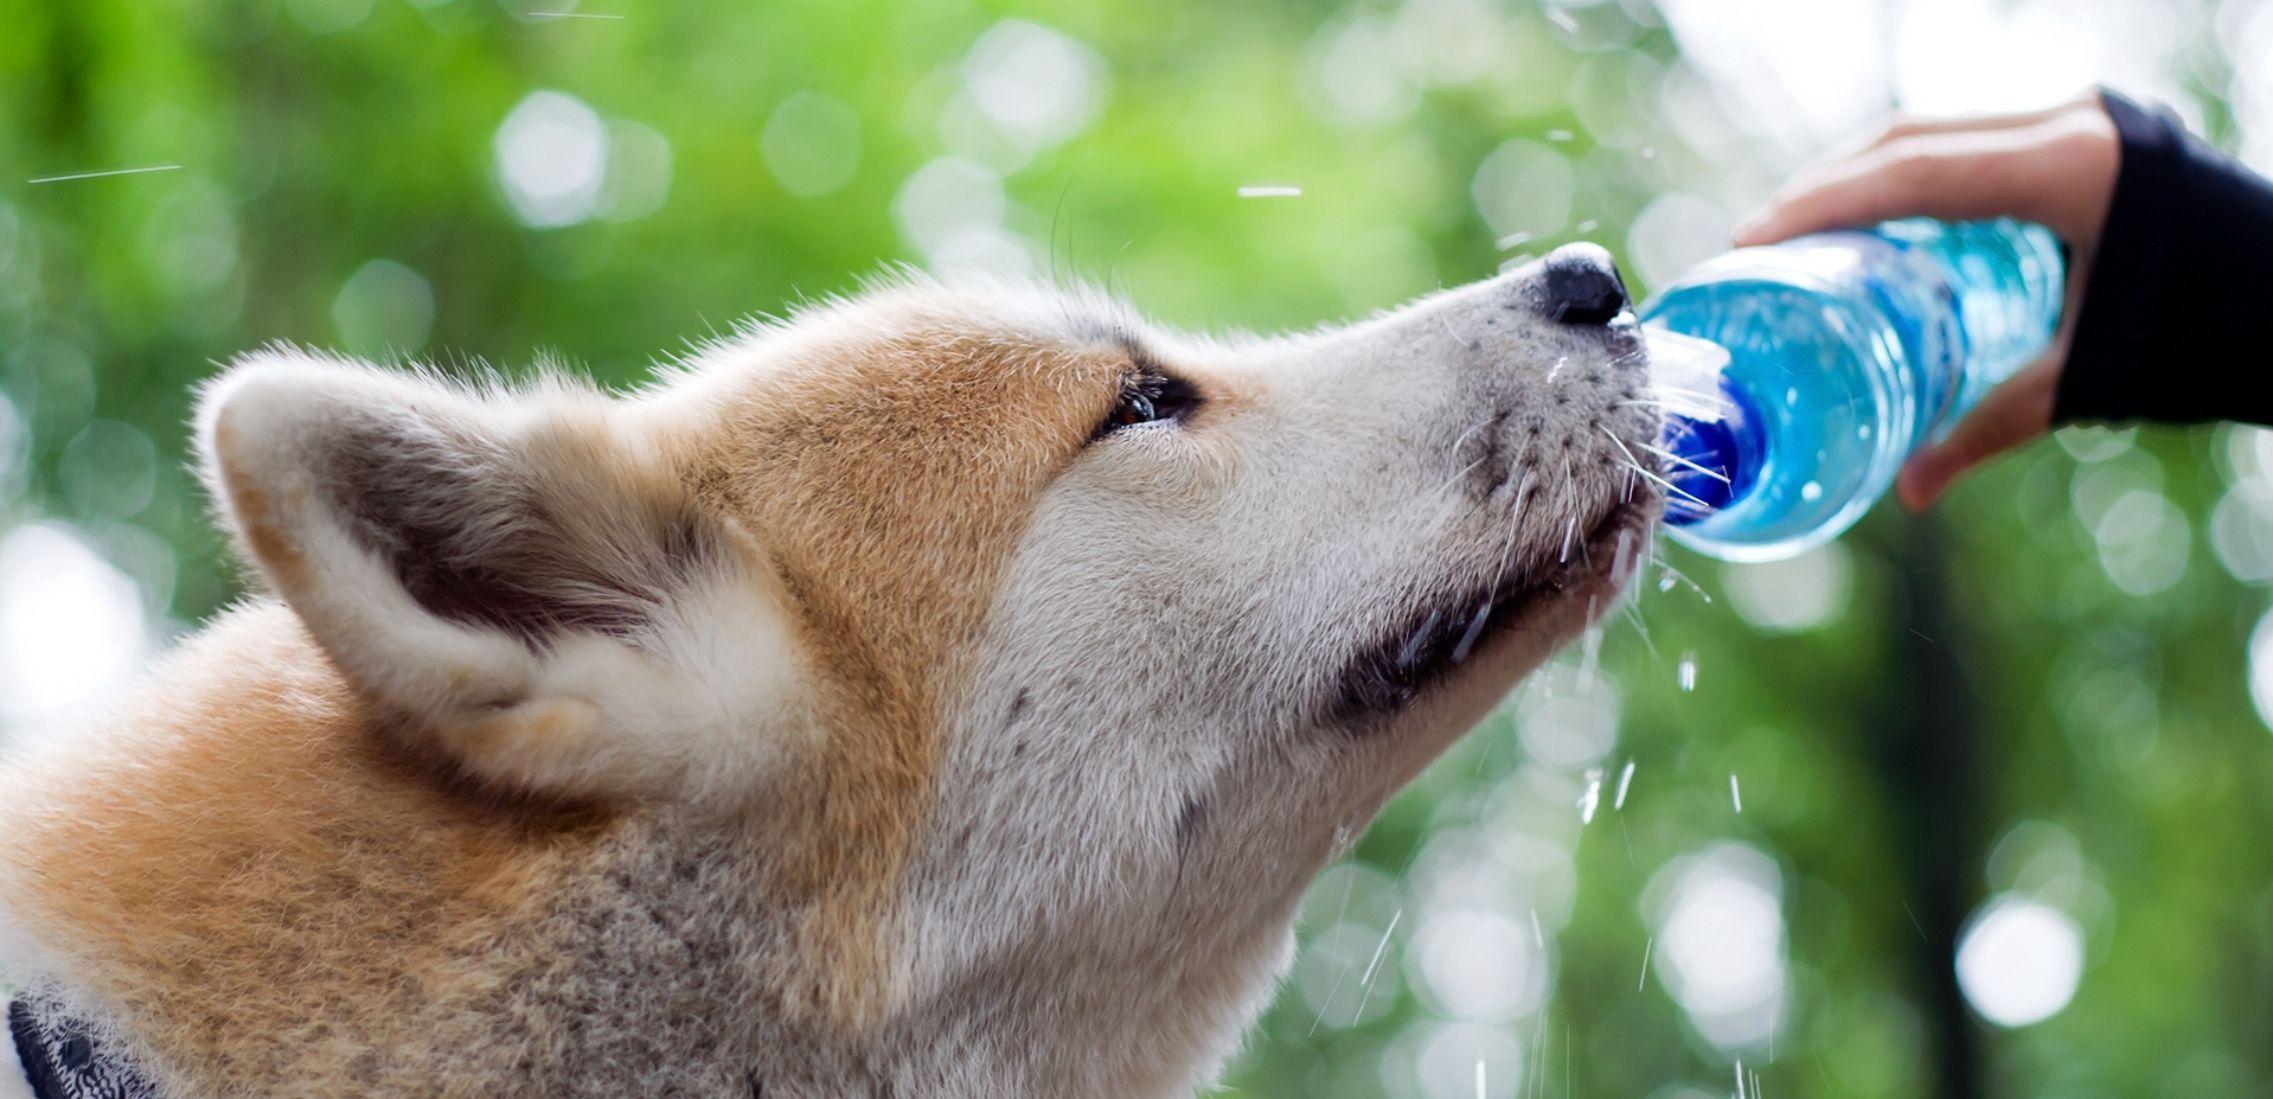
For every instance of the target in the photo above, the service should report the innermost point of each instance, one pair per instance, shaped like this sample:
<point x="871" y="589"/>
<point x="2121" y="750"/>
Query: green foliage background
<point x="2015" y="697"/>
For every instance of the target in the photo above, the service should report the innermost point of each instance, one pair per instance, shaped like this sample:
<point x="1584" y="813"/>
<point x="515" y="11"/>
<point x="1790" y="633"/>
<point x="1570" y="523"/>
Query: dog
<point x="948" y="691"/>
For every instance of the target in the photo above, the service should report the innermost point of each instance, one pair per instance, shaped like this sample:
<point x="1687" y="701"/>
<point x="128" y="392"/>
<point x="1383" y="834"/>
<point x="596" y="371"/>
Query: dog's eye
<point x="1135" y="408"/>
<point x="1150" y="397"/>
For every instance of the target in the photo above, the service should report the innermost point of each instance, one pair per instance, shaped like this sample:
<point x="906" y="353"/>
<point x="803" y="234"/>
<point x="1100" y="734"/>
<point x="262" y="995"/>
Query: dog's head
<point x="1021" y="629"/>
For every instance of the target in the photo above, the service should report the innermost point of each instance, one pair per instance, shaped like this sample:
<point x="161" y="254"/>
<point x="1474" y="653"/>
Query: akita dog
<point x="947" y="692"/>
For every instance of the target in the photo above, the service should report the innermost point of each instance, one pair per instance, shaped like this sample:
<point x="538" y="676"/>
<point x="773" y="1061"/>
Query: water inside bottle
<point x="1798" y="432"/>
<point x="1844" y="352"/>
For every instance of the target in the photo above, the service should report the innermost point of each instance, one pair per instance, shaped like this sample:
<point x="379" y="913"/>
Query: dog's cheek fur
<point x="891" y="456"/>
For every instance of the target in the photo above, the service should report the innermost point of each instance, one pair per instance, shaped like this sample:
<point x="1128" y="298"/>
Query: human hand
<point x="2054" y="167"/>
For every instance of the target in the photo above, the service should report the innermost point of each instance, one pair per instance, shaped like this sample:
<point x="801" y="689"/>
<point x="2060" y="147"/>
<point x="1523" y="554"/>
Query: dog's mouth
<point x="1437" y="640"/>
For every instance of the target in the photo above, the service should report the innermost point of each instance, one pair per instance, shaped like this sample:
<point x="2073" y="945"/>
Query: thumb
<point x="2015" y="412"/>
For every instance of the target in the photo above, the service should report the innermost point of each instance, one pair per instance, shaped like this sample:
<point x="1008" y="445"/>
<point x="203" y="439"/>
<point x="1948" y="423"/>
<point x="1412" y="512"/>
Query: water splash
<point x="1686" y="672"/>
<point x="1590" y="652"/>
<point x="105" y="174"/>
<point x="1625" y="779"/>
<point x="1372" y="968"/>
<point x="1589" y="801"/>
<point x="1735" y="796"/>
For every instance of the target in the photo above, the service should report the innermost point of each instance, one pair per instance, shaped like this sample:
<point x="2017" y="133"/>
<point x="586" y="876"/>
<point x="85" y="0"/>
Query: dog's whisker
<point x="1681" y="461"/>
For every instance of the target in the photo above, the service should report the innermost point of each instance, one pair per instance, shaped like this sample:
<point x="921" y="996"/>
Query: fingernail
<point x="1913" y="486"/>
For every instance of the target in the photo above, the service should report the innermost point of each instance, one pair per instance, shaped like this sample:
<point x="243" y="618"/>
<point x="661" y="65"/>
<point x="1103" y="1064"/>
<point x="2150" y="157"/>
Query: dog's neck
<point x="635" y="954"/>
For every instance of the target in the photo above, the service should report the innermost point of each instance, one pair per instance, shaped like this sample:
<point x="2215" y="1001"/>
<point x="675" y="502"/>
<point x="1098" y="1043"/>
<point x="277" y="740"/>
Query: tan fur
<point x="264" y="864"/>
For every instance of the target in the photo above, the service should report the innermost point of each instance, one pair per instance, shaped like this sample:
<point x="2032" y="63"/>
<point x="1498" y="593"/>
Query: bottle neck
<point x="1715" y="456"/>
<point x="1711" y="434"/>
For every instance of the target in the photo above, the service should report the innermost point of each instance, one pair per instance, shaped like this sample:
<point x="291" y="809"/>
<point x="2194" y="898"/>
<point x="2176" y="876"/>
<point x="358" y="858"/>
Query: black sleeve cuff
<point x="2116" y="324"/>
<point x="2177" y="285"/>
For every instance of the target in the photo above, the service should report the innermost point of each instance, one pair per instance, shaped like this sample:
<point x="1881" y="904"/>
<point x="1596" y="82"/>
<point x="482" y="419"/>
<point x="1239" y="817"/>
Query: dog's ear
<point x="520" y="581"/>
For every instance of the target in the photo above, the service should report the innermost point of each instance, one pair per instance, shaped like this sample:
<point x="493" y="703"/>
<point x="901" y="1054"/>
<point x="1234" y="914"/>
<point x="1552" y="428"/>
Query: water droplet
<point x="1735" y="796"/>
<point x="1591" y="800"/>
<point x="1811" y="492"/>
<point x="1666" y="582"/>
<point x="1686" y="672"/>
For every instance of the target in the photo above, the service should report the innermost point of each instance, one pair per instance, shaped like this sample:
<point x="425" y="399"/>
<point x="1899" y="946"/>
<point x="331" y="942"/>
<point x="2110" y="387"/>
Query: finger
<point x="2013" y="413"/>
<point x="1901" y="127"/>
<point x="1905" y="125"/>
<point x="1949" y="176"/>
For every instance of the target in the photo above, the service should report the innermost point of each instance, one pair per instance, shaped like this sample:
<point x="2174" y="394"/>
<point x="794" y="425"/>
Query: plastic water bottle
<point x="1844" y="352"/>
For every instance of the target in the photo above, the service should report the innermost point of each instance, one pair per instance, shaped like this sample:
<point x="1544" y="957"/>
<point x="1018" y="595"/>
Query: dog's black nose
<point x="1583" y="286"/>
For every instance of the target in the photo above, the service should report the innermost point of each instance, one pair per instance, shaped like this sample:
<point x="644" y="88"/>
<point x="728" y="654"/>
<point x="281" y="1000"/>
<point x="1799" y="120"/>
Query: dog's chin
<point x="1478" y="643"/>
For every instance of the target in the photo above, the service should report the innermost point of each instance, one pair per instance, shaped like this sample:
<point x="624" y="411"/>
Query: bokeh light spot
<point x="1524" y="187"/>
<point x="638" y="176"/>
<point x="1797" y="71"/>
<point x="1353" y="75"/>
<point x="1467" y="1061"/>
<point x="1566" y="718"/>
<point x="71" y="626"/>
<point x="2143" y="542"/>
<point x="1673" y="233"/>
<point x="1992" y="55"/>
<point x="1037" y="85"/>
<point x="812" y="144"/>
<point x="384" y="308"/>
<point x="952" y="210"/>
<point x="1720" y="942"/>
<point x="14" y="441"/>
<point x="552" y="155"/>
<point x="1477" y="965"/>
<point x="1788" y="596"/>
<point x="329" y="16"/>
<point x="2261" y="668"/>
<point x="109" y="470"/>
<point x="2019" y="961"/>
